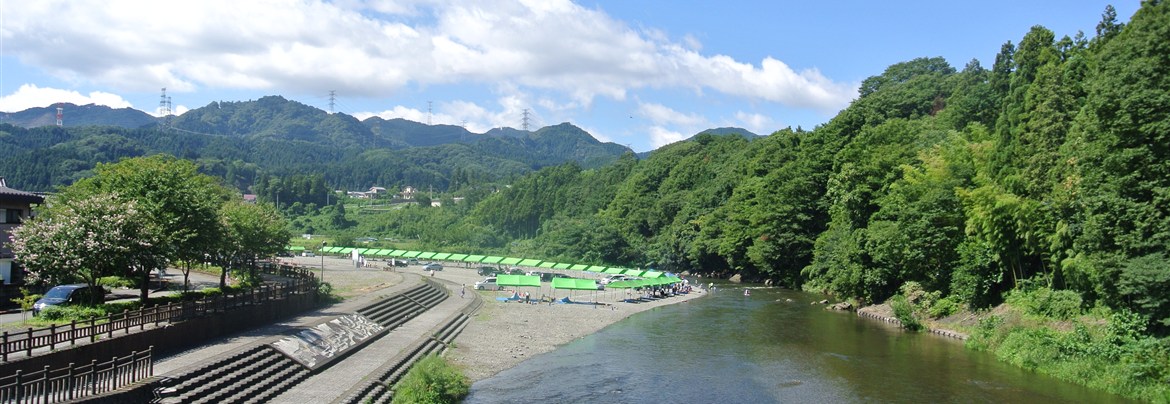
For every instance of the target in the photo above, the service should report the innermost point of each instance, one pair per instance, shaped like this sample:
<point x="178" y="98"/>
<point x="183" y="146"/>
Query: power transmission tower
<point x="524" y="122"/>
<point x="428" y="112"/>
<point x="332" y="100"/>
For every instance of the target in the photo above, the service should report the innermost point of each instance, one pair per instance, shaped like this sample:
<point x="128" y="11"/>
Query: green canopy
<point x="585" y="284"/>
<point x="457" y="257"/>
<point x="578" y="267"/>
<point x="574" y="284"/>
<point x="441" y="256"/>
<point x="529" y="263"/>
<point x="346" y="250"/>
<point x="425" y="256"/>
<point x="595" y="268"/>
<point x="510" y="261"/>
<point x="627" y="284"/>
<point x="412" y="254"/>
<point x="614" y="271"/>
<point x="562" y="266"/>
<point x="474" y="258"/>
<point x="651" y="274"/>
<point x="547" y="264"/>
<point x="361" y="251"/>
<point x="295" y="248"/>
<point x="492" y="260"/>
<point x="518" y="280"/>
<point x="633" y="272"/>
<point x="672" y="279"/>
<point x="397" y="253"/>
<point x="384" y="252"/>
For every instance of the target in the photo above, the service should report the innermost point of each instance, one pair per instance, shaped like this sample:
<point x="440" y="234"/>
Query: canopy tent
<point x="457" y="257"/>
<point x="411" y="254"/>
<point x="578" y="267"/>
<point x="518" y="280"/>
<point x="562" y="266"/>
<point x="295" y="248"/>
<point x="651" y="274"/>
<point x="572" y="284"/>
<point x="510" y="261"/>
<point x="614" y="271"/>
<point x="595" y="268"/>
<point x="528" y="263"/>
<point x="492" y="260"/>
<point x="397" y="253"/>
<point x="345" y="250"/>
<point x="361" y="251"/>
<point x="441" y="256"/>
<point x="548" y="264"/>
<point x="425" y="255"/>
<point x="633" y="272"/>
<point x="473" y="258"/>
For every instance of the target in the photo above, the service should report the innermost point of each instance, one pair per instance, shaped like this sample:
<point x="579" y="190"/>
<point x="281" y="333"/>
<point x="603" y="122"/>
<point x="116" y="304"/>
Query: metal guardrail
<point x="55" y="336"/>
<point x="75" y="382"/>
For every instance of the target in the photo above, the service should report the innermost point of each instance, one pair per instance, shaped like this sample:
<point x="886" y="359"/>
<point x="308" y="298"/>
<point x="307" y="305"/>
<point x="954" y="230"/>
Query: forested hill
<point x="79" y="115"/>
<point x="273" y="136"/>
<point x="1047" y="168"/>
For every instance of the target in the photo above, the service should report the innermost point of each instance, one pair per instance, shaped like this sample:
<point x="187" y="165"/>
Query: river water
<point x="730" y="348"/>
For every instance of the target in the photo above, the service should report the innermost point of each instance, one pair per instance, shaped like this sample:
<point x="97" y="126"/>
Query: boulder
<point x="826" y="301"/>
<point x="735" y="278"/>
<point x="767" y="282"/>
<point x="842" y="306"/>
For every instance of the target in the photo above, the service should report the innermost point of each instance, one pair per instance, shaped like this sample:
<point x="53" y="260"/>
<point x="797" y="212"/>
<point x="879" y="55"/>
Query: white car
<point x="488" y="283"/>
<point x="612" y="278"/>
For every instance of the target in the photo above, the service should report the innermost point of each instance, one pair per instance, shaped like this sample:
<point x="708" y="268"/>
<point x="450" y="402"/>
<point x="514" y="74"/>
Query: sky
<point x="637" y="73"/>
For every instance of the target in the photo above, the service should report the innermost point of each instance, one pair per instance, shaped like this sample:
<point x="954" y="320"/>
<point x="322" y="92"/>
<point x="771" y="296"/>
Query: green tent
<point x="633" y="272"/>
<point x="457" y="257"/>
<point x="492" y="260"/>
<point x="578" y="267"/>
<point x="474" y="258"/>
<point x="510" y="261"/>
<point x="613" y="271"/>
<point x="426" y="256"/>
<point x="562" y="266"/>
<point x="441" y="256"/>
<point x="397" y="253"/>
<point x="529" y="263"/>
<point x="651" y="274"/>
<point x="548" y="264"/>
<point x="411" y="254"/>
<point x="362" y="251"/>
<point x="295" y="248"/>
<point x="346" y="250"/>
<point x="595" y="268"/>
<point x="518" y="280"/>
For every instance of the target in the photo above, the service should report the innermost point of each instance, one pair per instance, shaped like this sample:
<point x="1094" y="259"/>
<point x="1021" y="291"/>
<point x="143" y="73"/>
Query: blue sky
<point x="637" y="73"/>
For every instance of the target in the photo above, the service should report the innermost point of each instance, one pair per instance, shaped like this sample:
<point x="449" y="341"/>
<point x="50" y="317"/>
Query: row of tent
<point x="583" y="284"/>
<point x="488" y="259"/>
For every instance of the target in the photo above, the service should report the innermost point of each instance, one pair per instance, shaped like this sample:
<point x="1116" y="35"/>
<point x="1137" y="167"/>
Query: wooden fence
<point x="74" y="382"/>
<point x="55" y="336"/>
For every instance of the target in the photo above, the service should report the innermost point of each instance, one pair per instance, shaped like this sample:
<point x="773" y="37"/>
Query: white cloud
<point x="372" y="49"/>
<point x="31" y="96"/>
<point x="757" y="123"/>
<point x="660" y="136"/>
<point x="662" y="115"/>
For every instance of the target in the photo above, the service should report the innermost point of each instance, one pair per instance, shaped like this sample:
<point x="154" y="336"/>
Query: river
<point x="730" y="348"/>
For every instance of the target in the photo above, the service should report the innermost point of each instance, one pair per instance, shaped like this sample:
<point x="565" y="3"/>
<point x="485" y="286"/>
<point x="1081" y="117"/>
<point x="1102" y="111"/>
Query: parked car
<point x="412" y="261"/>
<point x="547" y="276"/>
<point x="488" y="271"/>
<point x="488" y="283"/>
<point x="79" y="293"/>
<point x="432" y="267"/>
<point x="308" y="254"/>
<point x="399" y="263"/>
<point x="611" y="278"/>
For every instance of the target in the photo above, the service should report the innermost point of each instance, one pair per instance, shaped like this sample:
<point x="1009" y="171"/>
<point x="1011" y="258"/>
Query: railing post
<point x="93" y="377"/>
<point x="5" y="353"/>
<point x="19" y="384"/>
<point x="71" y="383"/>
<point x="126" y="320"/>
<point x="73" y="332"/>
<point x="28" y="343"/>
<point x="52" y="336"/>
<point x="110" y="325"/>
<point x="92" y="328"/>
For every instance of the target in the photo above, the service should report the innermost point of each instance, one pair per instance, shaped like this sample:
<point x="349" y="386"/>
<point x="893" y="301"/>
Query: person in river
<point x="747" y="292"/>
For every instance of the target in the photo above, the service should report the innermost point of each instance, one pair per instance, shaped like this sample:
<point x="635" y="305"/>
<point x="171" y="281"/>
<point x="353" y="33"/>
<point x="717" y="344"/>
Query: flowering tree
<point x="83" y="239"/>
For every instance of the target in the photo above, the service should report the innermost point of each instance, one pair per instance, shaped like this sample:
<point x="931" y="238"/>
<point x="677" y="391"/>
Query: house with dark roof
<point x="15" y="207"/>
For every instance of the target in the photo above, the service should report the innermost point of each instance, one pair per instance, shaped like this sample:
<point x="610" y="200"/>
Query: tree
<point x="250" y="231"/>
<point x="84" y="239"/>
<point x="177" y="201"/>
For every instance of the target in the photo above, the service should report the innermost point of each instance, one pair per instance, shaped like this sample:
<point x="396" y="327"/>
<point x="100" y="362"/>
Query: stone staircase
<point x="378" y="390"/>
<point x="260" y="373"/>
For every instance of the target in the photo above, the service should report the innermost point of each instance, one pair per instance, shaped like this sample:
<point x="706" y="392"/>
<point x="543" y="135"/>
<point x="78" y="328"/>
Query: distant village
<point x="375" y="192"/>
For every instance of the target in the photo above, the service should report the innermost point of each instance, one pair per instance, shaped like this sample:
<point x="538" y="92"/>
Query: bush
<point x="904" y="312"/>
<point x="1058" y="304"/>
<point x="432" y="380"/>
<point x="943" y="307"/>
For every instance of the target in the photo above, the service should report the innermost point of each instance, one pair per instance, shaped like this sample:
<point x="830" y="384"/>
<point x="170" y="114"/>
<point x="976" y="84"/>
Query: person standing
<point x="462" y="290"/>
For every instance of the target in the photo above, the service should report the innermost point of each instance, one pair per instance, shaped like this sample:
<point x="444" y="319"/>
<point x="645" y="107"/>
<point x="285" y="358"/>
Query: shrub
<point x="943" y="307"/>
<point x="432" y="380"/>
<point x="904" y="312"/>
<point x="1058" y="304"/>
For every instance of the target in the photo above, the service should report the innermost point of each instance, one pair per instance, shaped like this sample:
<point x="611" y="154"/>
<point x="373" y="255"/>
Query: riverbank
<point x="501" y="335"/>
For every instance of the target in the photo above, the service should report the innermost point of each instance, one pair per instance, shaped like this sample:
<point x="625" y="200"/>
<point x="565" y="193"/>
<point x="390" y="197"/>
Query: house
<point x="408" y="192"/>
<point x="376" y="191"/>
<point x="15" y="207"/>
